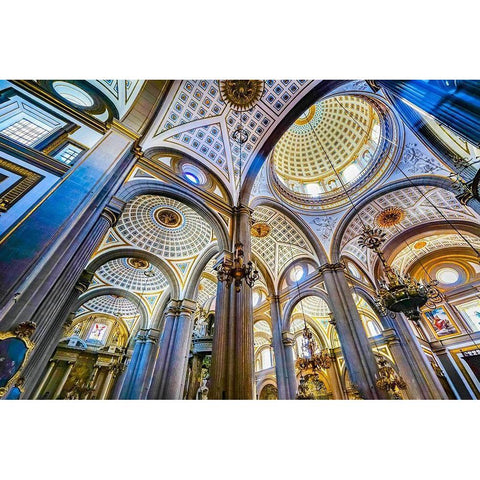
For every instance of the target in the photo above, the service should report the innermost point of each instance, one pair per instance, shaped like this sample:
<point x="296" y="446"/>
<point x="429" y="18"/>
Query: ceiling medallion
<point x="389" y="217"/>
<point x="168" y="218"/>
<point x="241" y="95"/>
<point x="260" y="230"/>
<point x="138" y="263"/>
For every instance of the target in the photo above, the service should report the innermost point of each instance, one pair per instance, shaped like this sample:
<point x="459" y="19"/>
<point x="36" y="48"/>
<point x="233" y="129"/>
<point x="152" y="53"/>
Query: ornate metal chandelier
<point x="312" y="358"/>
<point x="399" y="293"/>
<point x="237" y="270"/>
<point x="388" y="380"/>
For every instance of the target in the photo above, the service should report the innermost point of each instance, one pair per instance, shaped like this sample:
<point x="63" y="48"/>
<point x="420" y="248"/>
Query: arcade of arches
<point x="122" y="201"/>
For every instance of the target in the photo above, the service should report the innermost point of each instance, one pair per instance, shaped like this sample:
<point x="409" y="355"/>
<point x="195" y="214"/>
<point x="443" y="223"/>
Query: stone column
<point x="145" y="364"/>
<point x="280" y="370"/>
<point x="420" y="367"/>
<point x="63" y="380"/>
<point x="174" y="374"/>
<point x="56" y="307"/>
<point x="220" y="350"/>
<point x="288" y="342"/>
<point x="161" y="363"/>
<point x="334" y="377"/>
<point x="456" y="105"/>
<point x="120" y="372"/>
<point x="133" y="366"/>
<point x="39" y="249"/>
<point x="233" y="350"/>
<point x="359" y="358"/>
<point x="107" y="383"/>
<point x="45" y="380"/>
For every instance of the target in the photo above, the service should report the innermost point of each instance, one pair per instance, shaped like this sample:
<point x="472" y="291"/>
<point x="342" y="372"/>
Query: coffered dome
<point x="339" y="133"/>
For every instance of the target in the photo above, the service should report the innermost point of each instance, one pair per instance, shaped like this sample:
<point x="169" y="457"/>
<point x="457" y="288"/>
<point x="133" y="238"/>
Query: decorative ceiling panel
<point x="164" y="226"/>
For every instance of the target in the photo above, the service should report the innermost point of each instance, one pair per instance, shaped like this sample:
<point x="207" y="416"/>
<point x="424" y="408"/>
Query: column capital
<point x="288" y="338"/>
<point x="273" y="298"/>
<point x="152" y="335"/>
<point x="187" y="306"/>
<point x="390" y="335"/>
<point x="242" y="209"/>
<point x="331" y="267"/>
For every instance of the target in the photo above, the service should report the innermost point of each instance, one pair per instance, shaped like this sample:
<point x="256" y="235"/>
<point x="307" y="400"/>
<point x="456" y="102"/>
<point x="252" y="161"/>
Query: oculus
<point x="168" y="217"/>
<point x="73" y="94"/>
<point x="241" y="95"/>
<point x="260" y="230"/>
<point x="138" y="263"/>
<point x="447" y="275"/>
<point x="389" y="217"/>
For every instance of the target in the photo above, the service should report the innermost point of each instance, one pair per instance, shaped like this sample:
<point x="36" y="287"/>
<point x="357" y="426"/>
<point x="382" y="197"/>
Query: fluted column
<point x="56" y="307"/>
<point x="165" y="348"/>
<point x="39" y="249"/>
<point x="420" y="368"/>
<point x="176" y="368"/>
<point x="334" y="378"/>
<point x="280" y="371"/>
<point x="45" y="380"/>
<point x="63" y="380"/>
<point x="127" y="387"/>
<point x="456" y="105"/>
<point x="233" y="351"/>
<point x="107" y="383"/>
<point x="220" y="349"/>
<point x="288" y="342"/>
<point x="146" y="362"/>
<point x="359" y="358"/>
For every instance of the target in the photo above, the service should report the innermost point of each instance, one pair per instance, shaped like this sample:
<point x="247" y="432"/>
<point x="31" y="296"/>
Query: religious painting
<point x="470" y="311"/>
<point x="98" y="332"/>
<point x="441" y="322"/>
<point x="13" y="353"/>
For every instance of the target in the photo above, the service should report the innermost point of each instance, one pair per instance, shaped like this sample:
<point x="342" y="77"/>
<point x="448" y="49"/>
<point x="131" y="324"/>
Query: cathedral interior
<point x="239" y="239"/>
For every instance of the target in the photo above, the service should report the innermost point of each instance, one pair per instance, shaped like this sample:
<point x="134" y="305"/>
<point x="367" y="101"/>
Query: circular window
<point x="73" y="94"/>
<point x="193" y="174"/>
<point x="192" y="178"/>
<point x="447" y="276"/>
<point x="296" y="274"/>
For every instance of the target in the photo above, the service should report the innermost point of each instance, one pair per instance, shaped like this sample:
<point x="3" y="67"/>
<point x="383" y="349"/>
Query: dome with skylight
<point x="334" y="145"/>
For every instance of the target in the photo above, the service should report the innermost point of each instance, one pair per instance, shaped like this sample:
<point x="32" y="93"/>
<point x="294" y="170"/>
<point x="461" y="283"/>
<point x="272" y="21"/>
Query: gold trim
<point x="442" y="337"/>
<point x="29" y="344"/>
<point x="21" y="187"/>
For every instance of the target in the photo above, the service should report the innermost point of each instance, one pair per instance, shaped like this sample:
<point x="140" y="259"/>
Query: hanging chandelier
<point x="240" y="96"/>
<point x="236" y="270"/>
<point x="312" y="358"/>
<point x="388" y="380"/>
<point x="398" y="293"/>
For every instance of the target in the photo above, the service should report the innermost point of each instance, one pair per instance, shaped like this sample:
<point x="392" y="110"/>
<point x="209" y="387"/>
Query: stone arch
<point x="421" y="181"/>
<point x="98" y="292"/>
<point x="298" y="297"/>
<point x="135" y="252"/>
<point x="191" y="288"/>
<point x="136" y="188"/>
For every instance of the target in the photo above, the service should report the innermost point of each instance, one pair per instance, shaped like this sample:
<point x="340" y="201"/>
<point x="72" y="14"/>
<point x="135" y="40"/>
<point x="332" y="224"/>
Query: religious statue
<point x="202" y="392"/>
